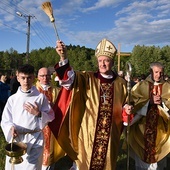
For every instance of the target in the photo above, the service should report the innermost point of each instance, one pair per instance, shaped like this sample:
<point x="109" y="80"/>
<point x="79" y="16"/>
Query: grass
<point x="2" y="150"/>
<point x="121" y="163"/>
<point x="121" y="158"/>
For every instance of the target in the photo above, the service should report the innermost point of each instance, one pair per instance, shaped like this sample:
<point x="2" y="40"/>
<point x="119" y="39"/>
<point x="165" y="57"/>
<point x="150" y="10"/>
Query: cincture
<point x="30" y="132"/>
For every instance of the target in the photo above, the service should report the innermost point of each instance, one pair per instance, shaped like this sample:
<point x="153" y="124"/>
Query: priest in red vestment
<point x="52" y="151"/>
<point x="88" y="122"/>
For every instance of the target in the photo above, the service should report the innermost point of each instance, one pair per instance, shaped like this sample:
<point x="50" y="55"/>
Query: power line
<point x="43" y="32"/>
<point x="12" y="28"/>
<point x="35" y="26"/>
<point x="43" y="40"/>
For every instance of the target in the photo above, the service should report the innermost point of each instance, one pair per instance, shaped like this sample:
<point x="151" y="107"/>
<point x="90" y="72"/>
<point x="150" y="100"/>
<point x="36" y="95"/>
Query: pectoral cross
<point x="104" y="97"/>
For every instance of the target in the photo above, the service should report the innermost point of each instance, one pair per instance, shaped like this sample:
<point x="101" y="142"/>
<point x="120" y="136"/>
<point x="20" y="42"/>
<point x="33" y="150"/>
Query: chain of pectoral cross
<point x="104" y="95"/>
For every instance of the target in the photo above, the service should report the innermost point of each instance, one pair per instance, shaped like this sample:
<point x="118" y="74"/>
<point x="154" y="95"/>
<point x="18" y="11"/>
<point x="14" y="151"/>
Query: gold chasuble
<point x="90" y="132"/>
<point x="150" y="134"/>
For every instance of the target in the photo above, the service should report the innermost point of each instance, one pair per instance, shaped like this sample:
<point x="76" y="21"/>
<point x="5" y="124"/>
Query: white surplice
<point x="28" y="126"/>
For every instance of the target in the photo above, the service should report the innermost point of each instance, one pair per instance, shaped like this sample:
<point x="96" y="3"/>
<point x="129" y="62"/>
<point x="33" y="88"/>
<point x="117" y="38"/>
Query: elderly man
<point x="88" y="122"/>
<point x="44" y="86"/>
<point x="150" y="130"/>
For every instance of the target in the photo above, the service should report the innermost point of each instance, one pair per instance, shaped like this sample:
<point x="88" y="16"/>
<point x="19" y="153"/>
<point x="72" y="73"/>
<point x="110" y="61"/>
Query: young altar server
<point x="24" y="116"/>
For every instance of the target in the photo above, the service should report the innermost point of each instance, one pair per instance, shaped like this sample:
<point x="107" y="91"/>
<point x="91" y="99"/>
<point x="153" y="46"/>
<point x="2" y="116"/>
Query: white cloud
<point x="101" y="4"/>
<point x="79" y="22"/>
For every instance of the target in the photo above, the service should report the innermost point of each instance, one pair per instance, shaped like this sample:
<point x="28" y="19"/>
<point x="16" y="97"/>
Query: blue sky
<point x="85" y="23"/>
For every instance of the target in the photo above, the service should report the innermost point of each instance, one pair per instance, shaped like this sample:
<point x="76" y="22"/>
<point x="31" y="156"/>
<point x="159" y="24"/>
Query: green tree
<point x="142" y="56"/>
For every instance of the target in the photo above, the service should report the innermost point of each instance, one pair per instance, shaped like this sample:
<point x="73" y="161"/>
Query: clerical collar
<point x="106" y="76"/>
<point x="28" y="91"/>
<point x="157" y="83"/>
<point x="45" y="86"/>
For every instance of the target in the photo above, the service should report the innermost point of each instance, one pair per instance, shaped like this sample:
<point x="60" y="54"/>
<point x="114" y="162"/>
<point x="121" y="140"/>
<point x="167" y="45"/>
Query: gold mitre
<point x="106" y="48"/>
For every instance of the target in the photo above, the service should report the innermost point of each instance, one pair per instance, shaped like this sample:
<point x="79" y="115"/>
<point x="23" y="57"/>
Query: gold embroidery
<point x="151" y="127"/>
<point x="103" y="127"/>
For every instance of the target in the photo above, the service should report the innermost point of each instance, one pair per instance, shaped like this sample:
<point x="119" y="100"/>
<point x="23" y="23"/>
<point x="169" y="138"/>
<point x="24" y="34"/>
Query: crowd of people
<point x="4" y="92"/>
<point x="81" y="122"/>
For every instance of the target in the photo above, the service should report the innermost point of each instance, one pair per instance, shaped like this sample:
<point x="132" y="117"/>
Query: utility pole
<point x="28" y="17"/>
<point x="28" y="38"/>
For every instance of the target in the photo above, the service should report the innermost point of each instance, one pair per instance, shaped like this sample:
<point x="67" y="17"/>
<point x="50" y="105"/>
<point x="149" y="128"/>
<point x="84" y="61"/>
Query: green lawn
<point x="2" y="150"/>
<point x="121" y="159"/>
<point x="121" y="164"/>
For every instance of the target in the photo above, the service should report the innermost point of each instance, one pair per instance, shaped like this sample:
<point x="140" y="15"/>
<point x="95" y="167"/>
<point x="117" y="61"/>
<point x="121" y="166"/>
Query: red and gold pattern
<point x="46" y="131"/>
<point x="46" y="153"/>
<point x="103" y="127"/>
<point x="150" y="134"/>
<point x="47" y="93"/>
<point x="151" y="127"/>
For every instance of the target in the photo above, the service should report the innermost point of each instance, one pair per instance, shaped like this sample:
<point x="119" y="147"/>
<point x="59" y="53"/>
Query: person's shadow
<point x="64" y="163"/>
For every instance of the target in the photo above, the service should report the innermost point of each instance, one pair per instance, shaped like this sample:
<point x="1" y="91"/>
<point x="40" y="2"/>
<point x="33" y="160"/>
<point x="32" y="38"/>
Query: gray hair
<point x="157" y="64"/>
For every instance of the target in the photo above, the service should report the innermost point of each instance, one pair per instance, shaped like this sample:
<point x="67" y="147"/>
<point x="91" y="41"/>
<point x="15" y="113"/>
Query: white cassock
<point x="27" y="125"/>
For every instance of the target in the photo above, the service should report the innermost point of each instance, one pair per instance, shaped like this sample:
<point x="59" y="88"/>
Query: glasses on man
<point x="44" y="75"/>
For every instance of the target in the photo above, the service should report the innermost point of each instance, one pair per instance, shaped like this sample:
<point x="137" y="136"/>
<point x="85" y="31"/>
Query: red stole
<point x="150" y="133"/>
<point x="46" y="130"/>
<point x="47" y="93"/>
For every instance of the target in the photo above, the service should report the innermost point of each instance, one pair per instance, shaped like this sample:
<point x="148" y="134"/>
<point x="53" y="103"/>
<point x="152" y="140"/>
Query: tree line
<point x="82" y="58"/>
